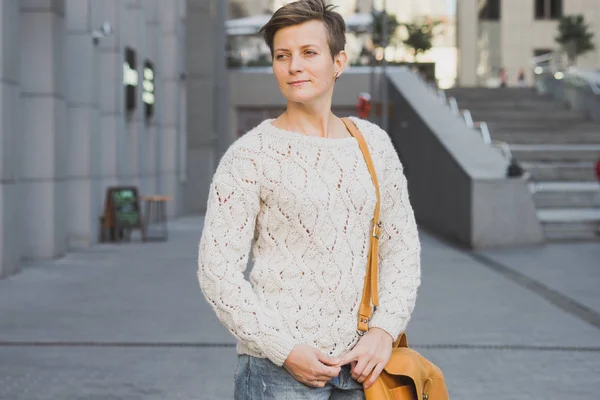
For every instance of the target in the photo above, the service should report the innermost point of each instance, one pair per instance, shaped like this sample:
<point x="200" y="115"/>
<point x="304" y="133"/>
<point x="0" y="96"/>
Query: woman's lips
<point x="297" y="83"/>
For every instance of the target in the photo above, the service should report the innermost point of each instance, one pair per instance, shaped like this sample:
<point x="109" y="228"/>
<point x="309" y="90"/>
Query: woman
<point x="503" y="78"/>
<point x="296" y="190"/>
<point x="521" y="78"/>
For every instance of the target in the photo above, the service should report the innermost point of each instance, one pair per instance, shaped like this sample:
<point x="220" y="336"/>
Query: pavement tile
<point x="571" y="268"/>
<point x="129" y="322"/>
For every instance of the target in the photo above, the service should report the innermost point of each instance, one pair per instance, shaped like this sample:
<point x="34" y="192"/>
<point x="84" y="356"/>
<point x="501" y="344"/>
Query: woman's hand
<point x="310" y="366"/>
<point x="369" y="356"/>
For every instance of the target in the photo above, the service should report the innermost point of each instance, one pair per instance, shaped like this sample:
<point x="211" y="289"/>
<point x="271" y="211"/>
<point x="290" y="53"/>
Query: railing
<point x="479" y="126"/>
<point x="551" y="70"/>
<point x="582" y="78"/>
<point x="485" y="132"/>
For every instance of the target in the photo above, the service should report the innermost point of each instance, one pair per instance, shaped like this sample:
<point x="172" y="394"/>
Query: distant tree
<point x="392" y="25"/>
<point x="574" y="37"/>
<point x="420" y="35"/>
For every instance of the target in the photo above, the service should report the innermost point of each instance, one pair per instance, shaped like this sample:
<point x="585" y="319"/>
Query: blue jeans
<point x="260" y="379"/>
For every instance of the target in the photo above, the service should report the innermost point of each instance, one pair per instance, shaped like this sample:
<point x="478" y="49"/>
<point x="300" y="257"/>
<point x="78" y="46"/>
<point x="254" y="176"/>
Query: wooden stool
<point x="155" y="214"/>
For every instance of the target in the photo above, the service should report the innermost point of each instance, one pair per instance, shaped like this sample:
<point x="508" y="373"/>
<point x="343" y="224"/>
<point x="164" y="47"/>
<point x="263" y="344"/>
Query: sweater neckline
<point x="300" y="137"/>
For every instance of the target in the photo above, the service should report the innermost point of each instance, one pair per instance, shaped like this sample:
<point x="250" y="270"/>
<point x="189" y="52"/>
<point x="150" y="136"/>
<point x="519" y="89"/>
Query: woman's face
<point x="302" y="62"/>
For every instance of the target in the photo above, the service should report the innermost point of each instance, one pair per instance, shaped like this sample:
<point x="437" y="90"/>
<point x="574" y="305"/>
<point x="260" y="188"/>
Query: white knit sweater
<point x="304" y="206"/>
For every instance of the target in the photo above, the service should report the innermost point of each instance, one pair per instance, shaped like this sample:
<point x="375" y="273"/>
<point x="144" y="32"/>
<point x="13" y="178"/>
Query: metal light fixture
<point x="103" y="31"/>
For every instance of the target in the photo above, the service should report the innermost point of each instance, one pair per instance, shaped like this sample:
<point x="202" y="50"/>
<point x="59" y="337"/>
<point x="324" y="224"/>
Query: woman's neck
<point x="310" y="121"/>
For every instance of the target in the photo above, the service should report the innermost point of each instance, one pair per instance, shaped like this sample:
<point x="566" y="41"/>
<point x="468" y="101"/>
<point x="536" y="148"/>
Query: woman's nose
<point x="296" y="65"/>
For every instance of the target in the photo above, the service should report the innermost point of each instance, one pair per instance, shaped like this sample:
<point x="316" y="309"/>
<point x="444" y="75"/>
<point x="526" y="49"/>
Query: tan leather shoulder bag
<point x="408" y="375"/>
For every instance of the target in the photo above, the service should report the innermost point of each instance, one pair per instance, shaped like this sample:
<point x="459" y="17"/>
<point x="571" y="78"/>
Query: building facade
<point x="93" y="94"/>
<point x="495" y="34"/>
<point x="443" y="52"/>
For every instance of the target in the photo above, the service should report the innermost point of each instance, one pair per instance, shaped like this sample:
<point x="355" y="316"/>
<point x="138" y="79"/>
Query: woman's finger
<point x="374" y="375"/>
<point x="318" y="383"/>
<point x="352" y="355"/>
<point x="327" y="373"/>
<point x="359" y="367"/>
<point x="366" y="371"/>
<point x="331" y="372"/>
<point x="321" y="372"/>
<point x="352" y="366"/>
<point x="327" y="360"/>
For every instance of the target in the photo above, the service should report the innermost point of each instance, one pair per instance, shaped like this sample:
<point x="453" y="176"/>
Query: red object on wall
<point x="598" y="170"/>
<point x="363" y="107"/>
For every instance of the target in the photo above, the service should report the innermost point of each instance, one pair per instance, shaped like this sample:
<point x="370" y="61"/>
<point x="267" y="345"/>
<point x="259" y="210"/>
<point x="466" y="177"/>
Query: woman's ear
<point x="340" y="61"/>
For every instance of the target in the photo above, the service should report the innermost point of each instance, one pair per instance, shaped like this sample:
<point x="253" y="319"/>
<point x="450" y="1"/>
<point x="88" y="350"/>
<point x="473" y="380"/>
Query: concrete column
<point x="43" y="113"/>
<point x="111" y="100"/>
<point x="200" y="91"/>
<point x="10" y="202"/>
<point x="82" y="123"/>
<point x="169" y="76"/>
<point x="133" y="27"/>
<point x="148" y="160"/>
<point x="183" y="109"/>
<point x="467" y="31"/>
<point x="516" y="37"/>
<point x="183" y="140"/>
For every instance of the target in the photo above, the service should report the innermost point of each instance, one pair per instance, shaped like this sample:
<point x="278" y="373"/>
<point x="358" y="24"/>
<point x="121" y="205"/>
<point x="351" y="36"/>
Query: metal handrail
<point x="505" y="147"/>
<point x="481" y="126"/>
<point x="584" y="78"/>
<point x="554" y="66"/>
<point x="453" y="105"/>
<point x="468" y="118"/>
<point x="484" y="131"/>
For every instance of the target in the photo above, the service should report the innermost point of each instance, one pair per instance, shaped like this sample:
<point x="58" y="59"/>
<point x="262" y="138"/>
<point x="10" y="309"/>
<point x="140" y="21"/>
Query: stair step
<point x="566" y="194"/>
<point x="492" y="113"/>
<point x="493" y="94"/>
<point x="556" y="145"/>
<point x="525" y="98"/>
<point x="561" y="171"/>
<point x="556" y="152"/>
<point x="525" y="116"/>
<point x="570" y="224"/>
<point x="545" y="138"/>
<point x="542" y="125"/>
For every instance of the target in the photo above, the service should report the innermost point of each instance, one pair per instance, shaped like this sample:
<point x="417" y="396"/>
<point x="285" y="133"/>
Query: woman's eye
<point x="280" y="56"/>
<point x="311" y="53"/>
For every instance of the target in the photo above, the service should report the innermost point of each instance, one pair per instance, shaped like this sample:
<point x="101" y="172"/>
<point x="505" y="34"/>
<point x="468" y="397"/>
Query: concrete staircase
<point x="556" y="145"/>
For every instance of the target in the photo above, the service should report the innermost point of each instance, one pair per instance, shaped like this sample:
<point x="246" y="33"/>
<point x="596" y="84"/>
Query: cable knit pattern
<point x="304" y="206"/>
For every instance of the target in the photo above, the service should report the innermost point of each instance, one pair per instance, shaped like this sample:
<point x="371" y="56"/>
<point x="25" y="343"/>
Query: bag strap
<point x="370" y="289"/>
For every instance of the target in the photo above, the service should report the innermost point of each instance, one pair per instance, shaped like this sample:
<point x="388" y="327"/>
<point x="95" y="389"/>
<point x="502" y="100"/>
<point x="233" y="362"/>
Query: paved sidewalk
<point x="129" y="322"/>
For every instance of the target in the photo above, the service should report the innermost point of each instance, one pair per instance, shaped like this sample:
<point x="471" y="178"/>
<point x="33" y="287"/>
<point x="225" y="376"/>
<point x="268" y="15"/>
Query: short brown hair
<point x="302" y="11"/>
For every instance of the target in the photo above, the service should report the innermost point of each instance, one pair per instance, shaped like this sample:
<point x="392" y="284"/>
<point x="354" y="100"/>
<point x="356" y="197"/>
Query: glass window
<point x="540" y="9"/>
<point x="556" y="9"/>
<point x="490" y="10"/>
<point x="548" y="9"/>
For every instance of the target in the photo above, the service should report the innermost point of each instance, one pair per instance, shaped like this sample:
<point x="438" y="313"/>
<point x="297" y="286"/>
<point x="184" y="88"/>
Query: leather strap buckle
<point x="377" y="229"/>
<point x="363" y="325"/>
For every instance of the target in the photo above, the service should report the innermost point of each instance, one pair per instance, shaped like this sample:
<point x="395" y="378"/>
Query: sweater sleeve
<point x="229" y="224"/>
<point x="399" y="249"/>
